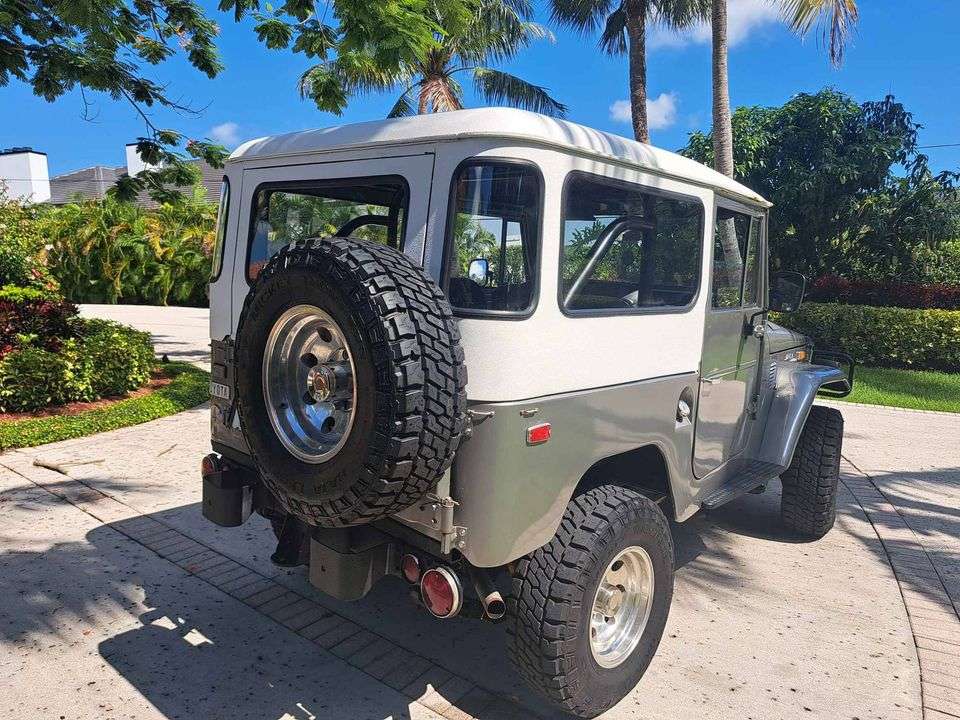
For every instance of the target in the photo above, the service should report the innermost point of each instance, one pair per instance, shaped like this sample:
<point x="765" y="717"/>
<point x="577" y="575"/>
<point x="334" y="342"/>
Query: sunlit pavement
<point x="118" y="600"/>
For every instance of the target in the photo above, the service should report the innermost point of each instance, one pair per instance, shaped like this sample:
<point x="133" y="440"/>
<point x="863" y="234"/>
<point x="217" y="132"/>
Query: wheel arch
<point x="643" y="468"/>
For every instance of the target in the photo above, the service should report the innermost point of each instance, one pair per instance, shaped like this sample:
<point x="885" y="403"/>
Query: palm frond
<point x="440" y="93"/>
<point x="836" y="17"/>
<point x="403" y="106"/>
<point x="613" y="39"/>
<point x="498" y="87"/>
<point x="679" y="14"/>
<point x="585" y="16"/>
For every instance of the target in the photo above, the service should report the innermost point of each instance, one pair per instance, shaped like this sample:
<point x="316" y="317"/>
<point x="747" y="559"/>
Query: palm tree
<point x="837" y="17"/>
<point x="624" y="31"/>
<point x="499" y="30"/>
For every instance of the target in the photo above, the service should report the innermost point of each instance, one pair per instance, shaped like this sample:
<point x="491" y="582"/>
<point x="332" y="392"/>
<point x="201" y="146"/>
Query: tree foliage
<point x="109" y="46"/>
<point x="852" y="193"/>
<point x="494" y="31"/>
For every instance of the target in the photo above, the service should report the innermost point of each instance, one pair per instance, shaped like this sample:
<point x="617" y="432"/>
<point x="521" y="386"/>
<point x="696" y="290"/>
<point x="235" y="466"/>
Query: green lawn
<point x="918" y="389"/>
<point x="189" y="387"/>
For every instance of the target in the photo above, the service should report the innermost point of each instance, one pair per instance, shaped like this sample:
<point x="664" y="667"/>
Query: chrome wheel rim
<point x="308" y="383"/>
<point x="621" y="606"/>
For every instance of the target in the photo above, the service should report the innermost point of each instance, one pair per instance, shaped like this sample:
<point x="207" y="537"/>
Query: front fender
<point x="795" y="387"/>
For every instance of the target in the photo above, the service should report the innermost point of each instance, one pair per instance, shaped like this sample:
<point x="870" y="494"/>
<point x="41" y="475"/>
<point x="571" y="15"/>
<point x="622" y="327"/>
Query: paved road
<point x="181" y="333"/>
<point x="119" y="600"/>
<point x="761" y="627"/>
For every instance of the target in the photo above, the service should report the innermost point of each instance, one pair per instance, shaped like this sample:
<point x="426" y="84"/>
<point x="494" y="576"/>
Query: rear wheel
<point x="808" y="505"/>
<point x="588" y="609"/>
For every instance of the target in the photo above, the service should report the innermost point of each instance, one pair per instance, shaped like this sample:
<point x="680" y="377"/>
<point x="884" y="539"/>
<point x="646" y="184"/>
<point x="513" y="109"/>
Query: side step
<point x="751" y="476"/>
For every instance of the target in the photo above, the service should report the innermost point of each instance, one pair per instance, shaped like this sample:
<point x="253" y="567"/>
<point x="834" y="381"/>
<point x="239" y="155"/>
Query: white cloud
<point x="661" y="111"/>
<point x="743" y="17"/>
<point x="620" y="111"/>
<point x="226" y="134"/>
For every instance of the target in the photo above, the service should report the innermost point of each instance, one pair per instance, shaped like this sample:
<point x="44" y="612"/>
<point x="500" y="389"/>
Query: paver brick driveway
<point x="118" y="600"/>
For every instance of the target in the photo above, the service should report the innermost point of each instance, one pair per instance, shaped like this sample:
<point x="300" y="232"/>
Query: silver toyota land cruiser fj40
<point x="609" y="300"/>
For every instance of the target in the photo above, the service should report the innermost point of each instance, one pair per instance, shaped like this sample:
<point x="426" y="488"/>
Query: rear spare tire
<point x="350" y="380"/>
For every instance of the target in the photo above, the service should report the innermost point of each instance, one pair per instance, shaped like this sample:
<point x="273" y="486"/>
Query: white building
<point x="24" y="172"/>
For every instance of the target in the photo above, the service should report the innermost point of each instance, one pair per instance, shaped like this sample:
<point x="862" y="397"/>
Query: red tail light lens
<point x="410" y="567"/>
<point x="209" y="465"/>
<point x="440" y="590"/>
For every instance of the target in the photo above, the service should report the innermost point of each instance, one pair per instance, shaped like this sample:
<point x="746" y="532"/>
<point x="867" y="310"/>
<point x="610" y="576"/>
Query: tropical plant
<point x="428" y="81"/>
<point x="21" y="245"/>
<point x="837" y="17"/>
<point x="624" y="30"/>
<point x="113" y="251"/>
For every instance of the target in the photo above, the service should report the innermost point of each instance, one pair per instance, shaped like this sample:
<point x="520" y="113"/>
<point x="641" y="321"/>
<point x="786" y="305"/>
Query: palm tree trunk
<point x="722" y="130"/>
<point x="637" y="33"/>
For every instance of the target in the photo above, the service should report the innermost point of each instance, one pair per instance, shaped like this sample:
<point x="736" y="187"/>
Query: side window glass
<point x="625" y="248"/>
<point x="751" y="271"/>
<point x="220" y="238"/>
<point x="494" y="237"/>
<point x="730" y="239"/>
<point x="371" y="209"/>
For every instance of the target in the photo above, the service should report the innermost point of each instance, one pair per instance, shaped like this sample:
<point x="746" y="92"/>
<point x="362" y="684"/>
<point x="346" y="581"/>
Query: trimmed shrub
<point x="831" y="288"/>
<point x="102" y="359"/>
<point x="923" y="339"/>
<point x="32" y="377"/>
<point x="33" y="316"/>
<point x="120" y="357"/>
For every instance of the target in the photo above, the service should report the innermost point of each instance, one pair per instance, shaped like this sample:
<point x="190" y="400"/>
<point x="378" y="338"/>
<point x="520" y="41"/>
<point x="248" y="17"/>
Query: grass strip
<point x="916" y="389"/>
<point x="189" y="387"/>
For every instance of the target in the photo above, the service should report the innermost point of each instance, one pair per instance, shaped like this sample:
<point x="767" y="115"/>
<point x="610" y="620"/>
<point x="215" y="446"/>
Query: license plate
<point x="220" y="390"/>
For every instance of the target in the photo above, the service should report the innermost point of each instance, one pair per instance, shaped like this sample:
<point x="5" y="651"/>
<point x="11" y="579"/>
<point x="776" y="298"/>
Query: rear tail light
<point x="441" y="592"/>
<point x="209" y="465"/>
<point x="410" y="567"/>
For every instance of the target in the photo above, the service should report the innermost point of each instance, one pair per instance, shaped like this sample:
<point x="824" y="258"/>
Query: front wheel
<point x="588" y="609"/>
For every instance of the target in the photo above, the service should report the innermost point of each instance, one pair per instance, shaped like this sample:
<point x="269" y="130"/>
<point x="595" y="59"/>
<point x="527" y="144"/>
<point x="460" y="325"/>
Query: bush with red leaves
<point x="831" y="288"/>
<point x="39" y="315"/>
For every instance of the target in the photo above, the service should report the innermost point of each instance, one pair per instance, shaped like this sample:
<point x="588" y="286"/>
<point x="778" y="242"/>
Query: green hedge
<point x="103" y="359"/>
<point x="882" y="336"/>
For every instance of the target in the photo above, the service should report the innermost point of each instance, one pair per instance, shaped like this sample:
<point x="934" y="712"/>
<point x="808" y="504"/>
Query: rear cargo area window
<point x="493" y="238"/>
<point x="367" y="208"/>
<point x="626" y="248"/>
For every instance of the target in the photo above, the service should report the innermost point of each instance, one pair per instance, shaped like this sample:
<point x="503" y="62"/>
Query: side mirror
<point x="479" y="271"/>
<point x="786" y="290"/>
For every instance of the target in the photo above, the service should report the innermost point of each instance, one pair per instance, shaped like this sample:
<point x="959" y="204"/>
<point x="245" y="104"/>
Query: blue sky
<point x="908" y="49"/>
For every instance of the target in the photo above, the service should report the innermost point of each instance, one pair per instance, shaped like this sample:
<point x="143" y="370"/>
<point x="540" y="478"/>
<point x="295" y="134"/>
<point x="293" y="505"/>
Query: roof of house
<point x="94" y="182"/>
<point x="508" y="123"/>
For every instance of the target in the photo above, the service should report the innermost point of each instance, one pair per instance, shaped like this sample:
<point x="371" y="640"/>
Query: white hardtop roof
<point x="508" y="123"/>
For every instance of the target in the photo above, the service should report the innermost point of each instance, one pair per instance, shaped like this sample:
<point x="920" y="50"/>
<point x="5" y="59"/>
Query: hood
<point x="779" y="338"/>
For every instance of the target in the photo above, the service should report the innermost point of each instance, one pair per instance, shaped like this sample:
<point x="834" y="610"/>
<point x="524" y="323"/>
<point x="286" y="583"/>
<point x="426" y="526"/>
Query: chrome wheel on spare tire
<point x="350" y="381"/>
<point x="308" y="377"/>
<point x="621" y="606"/>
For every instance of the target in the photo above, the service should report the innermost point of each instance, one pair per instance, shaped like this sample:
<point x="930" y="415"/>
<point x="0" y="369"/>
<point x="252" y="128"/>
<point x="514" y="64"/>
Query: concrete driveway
<point x="119" y="600"/>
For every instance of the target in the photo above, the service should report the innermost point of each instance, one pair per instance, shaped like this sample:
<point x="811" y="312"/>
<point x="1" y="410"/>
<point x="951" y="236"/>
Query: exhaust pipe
<point x="490" y="598"/>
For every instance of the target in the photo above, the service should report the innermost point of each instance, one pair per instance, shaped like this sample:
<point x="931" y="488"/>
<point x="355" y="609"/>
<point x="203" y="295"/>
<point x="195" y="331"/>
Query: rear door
<point x="386" y="199"/>
<point x="731" y="353"/>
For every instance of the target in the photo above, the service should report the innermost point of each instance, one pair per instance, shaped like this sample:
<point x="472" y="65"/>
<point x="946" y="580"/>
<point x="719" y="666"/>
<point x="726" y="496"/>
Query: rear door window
<point x="370" y="208"/>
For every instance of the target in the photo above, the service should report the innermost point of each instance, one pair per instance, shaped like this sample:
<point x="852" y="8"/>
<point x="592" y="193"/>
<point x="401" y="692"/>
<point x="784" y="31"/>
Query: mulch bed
<point x="157" y="381"/>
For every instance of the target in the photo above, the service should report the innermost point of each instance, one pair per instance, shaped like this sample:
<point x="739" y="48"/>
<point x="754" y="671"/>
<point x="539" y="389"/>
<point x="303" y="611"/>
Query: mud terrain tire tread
<point x="551" y="584"/>
<point x="808" y="505"/>
<point x="414" y="345"/>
